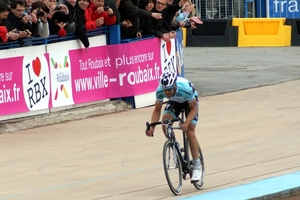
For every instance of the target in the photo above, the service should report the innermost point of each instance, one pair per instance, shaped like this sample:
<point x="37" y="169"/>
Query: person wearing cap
<point x="182" y="95"/>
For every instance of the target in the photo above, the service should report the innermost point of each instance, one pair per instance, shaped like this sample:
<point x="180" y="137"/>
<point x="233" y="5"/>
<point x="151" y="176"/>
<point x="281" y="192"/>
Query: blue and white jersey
<point x="185" y="91"/>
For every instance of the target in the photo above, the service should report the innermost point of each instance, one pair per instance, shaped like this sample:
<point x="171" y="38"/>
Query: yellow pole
<point x="183" y="37"/>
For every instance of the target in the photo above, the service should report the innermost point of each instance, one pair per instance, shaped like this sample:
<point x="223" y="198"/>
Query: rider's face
<point x="169" y="92"/>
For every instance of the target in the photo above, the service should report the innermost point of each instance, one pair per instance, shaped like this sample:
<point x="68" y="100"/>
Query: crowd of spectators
<point x="21" y="19"/>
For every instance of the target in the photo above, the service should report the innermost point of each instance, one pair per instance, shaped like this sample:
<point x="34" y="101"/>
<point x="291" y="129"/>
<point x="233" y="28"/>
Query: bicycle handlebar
<point x="167" y="121"/>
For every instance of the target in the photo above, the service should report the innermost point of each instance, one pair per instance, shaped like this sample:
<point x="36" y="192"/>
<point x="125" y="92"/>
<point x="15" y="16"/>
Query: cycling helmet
<point x="167" y="80"/>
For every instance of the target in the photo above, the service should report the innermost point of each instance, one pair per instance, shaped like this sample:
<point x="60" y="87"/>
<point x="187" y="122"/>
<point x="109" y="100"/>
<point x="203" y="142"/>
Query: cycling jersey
<point x="185" y="91"/>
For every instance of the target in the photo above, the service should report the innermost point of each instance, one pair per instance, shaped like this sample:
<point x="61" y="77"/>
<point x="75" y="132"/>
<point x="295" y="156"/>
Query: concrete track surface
<point x="246" y="135"/>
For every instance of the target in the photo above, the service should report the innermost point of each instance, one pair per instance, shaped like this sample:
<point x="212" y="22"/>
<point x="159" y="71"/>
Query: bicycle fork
<point x="183" y="158"/>
<point x="174" y="150"/>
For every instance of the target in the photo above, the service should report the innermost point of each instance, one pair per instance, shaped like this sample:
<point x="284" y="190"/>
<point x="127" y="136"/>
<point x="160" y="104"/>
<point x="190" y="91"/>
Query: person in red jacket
<point x="4" y="10"/>
<point x="97" y="15"/>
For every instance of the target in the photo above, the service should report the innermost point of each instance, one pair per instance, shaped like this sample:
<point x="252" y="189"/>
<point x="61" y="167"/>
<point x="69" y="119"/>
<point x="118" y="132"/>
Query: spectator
<point x="186" y="16"/>
<point x="183" y="14"/>
<point x="4" y="10"/>
<point x="114" y="4"/>
<point x="124" y="23"/>
<point x="80" y="23"/>
<point x="129" y="11"/>
<point x="54" y="26"/>
<point x="28" y="6"/>
<point x="60" y="23"/>
<point x="98" y="15"/>
<point x="18" y="21"/>
<point x="70" y="26"/>
<point x="173" y="7"/>
<point x="40" y="25"/>
<point x="51" y="5"/>
<point x="146" y="5"/>
<point x="160" y="28"/>
<point x="8" y="2"/>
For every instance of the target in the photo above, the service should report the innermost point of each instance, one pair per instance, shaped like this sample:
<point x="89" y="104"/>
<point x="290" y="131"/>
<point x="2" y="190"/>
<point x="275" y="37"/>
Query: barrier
<point x="57" y="73"/>
<point x="212" y="33"/>
<point x="295" y="24"/>
<point x="262" y="32"/>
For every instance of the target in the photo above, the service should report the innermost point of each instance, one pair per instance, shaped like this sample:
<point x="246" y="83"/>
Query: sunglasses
<point x="169" y="89"/>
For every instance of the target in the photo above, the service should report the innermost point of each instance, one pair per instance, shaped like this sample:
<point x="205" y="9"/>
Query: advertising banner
<point x="283" y="8"/>
<point x="115" y="71"/>
<point x="24" y="84"/>
<point x="67" y="75"/>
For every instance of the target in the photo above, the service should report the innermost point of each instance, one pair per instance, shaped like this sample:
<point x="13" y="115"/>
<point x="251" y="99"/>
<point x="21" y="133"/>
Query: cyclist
<point x="181" y="95"/>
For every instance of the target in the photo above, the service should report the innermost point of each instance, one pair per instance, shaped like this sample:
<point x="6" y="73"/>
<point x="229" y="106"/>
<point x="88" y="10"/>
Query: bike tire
<point x="199" y="185"/>
<point x="172" y="167"/>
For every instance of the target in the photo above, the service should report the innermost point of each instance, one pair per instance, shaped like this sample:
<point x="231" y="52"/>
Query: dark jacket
<point x="80" y="27"/>
<point x="113" y="6"/>
<point x="157" y="27"/>
<point x="172" y="9"/>
<point x="129" y="11"/>
<point x="15" y="23"/>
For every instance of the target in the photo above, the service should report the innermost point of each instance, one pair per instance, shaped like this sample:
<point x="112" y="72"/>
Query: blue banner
<point x="284" y="8"/>
<point x="179" y="52"/>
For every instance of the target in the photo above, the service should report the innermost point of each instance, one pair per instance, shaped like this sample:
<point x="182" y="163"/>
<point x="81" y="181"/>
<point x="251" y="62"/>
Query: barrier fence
<point x="58" y="72"/>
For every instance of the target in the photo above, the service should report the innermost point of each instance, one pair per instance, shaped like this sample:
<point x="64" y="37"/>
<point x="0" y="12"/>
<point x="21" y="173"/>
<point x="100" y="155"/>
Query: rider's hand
<point x="150" y="132"/>
<point x="184" y="127"/>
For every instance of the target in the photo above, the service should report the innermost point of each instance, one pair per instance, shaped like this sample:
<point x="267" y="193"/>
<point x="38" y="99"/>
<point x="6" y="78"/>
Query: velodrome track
<point x="245" y="135"/>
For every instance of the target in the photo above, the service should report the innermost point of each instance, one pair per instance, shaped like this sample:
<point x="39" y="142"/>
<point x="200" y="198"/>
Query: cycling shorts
<point x="174" y="108"/>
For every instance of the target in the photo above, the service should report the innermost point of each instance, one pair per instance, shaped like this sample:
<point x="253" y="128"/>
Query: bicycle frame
<point x="181" y="156"/>
<point x="183" y="153"/>
<point x="184" y="159"/>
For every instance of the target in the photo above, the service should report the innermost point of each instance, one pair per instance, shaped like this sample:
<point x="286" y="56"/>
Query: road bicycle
<point x="177" y="161"/>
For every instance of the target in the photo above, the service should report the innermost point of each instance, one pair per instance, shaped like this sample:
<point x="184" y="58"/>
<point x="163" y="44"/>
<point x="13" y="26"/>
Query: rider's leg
<point x="166" y="115"/>
<point x="194" y="145"/>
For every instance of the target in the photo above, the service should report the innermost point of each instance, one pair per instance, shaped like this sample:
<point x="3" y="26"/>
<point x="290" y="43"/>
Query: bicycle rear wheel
<point x="172" y="167"/>
<point x="200" y="183"/>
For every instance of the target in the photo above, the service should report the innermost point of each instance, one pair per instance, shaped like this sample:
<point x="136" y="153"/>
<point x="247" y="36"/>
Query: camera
<point x="24" y="13"/>
<point x="16" y="31"/>
<point x="40" y="13"/>
<point x="106" y="8"/>
<point x="57" y="8"/>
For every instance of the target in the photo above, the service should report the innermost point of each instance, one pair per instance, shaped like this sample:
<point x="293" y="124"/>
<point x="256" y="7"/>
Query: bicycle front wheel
<point x="172" y="167"/>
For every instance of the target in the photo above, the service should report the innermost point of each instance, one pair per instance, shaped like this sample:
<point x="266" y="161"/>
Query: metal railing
<point x="218" y="9"/>
<point x="52" y="39"/>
